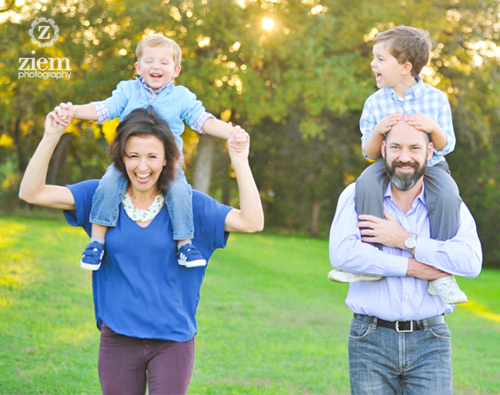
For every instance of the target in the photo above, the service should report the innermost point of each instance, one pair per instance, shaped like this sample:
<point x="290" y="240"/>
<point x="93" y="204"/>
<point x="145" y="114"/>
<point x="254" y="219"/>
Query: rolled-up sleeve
<point x="198" y="124"/>
<point x="102" y="111"/>
<point x="193" y="110"/>
<point x="462" y="255"/>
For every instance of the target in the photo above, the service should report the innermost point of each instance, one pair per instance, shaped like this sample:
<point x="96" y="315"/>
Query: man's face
<point x="406" y="152"/>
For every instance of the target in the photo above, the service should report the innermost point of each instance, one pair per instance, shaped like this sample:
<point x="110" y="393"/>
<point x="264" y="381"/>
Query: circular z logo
<point x="44" y="32"/>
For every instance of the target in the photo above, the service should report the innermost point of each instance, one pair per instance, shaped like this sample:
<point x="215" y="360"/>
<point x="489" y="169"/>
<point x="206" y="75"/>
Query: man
<point x="399" y="341"/>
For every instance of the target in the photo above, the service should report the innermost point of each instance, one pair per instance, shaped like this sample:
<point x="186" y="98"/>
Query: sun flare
<point x="267" y="23"/>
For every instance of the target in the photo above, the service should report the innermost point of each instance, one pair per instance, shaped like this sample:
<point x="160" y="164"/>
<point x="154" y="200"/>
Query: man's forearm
<point x="423" y="271"/>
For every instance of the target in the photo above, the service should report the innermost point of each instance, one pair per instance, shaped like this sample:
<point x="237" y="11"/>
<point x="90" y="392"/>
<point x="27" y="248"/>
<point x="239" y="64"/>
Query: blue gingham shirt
<point x="176" y="104"/>
<point x="420" y="98"/>
<point x="395" y="296"/>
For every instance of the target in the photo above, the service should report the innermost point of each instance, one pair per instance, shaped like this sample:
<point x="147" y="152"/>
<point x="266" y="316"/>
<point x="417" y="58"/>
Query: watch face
<point x="411" y="242"/>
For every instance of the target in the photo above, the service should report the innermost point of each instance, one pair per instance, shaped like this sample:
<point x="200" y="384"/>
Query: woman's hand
<point x="57" y="121"/>
<point x="239" y="144"/>
<point x="250" y="217"/>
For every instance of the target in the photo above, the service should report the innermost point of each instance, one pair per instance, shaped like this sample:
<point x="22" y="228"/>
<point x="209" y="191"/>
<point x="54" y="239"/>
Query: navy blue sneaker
<point x="92" y="256"/>
<point x="188" y="255"/>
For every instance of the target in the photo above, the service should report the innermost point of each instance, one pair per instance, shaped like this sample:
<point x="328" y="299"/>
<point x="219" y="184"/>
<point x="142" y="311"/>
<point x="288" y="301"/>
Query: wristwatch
<point x="411" y="242"/>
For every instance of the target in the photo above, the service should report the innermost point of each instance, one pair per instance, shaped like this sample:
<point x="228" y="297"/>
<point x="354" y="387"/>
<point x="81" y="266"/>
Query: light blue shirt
<point x="397" y="297"/>
<point x="176" y="104"/>
<point x="420" y="98"/>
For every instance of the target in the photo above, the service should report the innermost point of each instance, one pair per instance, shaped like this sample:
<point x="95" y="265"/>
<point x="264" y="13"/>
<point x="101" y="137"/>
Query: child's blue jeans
<point x="112" y="187"/>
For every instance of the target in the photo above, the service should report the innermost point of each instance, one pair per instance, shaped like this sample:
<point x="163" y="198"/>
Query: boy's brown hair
<point x="407" y="44"/>
<point x="159" y="40"/>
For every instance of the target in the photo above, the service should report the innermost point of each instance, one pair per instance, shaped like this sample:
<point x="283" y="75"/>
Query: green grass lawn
<point x="269" y="320"/>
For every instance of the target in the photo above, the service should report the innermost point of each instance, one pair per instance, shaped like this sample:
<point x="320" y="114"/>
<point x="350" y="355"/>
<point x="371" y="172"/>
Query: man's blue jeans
<point x="383" y="361"/>
<point x="112" y="187"/>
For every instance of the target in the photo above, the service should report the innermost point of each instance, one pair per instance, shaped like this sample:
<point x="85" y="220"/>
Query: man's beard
<point x="405" y="181"/>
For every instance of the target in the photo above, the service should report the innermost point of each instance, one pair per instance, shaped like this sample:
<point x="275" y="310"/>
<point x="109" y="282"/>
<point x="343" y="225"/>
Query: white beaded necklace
<point x="142" y="215"/>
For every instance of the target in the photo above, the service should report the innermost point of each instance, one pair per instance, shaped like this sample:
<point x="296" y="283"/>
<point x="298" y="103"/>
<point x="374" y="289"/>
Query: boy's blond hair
<point x="159" y="40"/>
<point x="407" y="44"/>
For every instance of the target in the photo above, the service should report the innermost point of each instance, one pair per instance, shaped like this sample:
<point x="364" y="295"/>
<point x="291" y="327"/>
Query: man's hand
<point x="388" y="232"/>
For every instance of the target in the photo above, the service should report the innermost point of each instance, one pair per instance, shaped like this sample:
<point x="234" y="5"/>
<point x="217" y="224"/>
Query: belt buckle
<point x="404" y="330"/>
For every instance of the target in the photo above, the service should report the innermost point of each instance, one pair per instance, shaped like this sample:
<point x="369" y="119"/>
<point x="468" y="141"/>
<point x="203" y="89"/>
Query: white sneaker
<point x="447" y="289"/>
<point x="346" y="277"/>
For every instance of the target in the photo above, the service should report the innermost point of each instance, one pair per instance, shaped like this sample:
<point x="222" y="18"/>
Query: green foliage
<point x="298" y="88"/>
<point x="269" y="320"/>
<point x="9" y="181"/>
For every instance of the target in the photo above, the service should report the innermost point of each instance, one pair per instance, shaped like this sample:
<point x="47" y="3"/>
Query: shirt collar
<point x="420" y="197"/>
<point x="156" y="92"/>
<point x="415" y="91"/>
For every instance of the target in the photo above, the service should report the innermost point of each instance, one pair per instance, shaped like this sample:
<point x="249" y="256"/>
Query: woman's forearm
<point x="35" y="176"/>
<point x="33" y="188"/>
<point x="251" y="212"/>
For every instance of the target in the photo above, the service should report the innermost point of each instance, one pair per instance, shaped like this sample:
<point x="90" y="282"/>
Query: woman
<point x="145" y="303"/>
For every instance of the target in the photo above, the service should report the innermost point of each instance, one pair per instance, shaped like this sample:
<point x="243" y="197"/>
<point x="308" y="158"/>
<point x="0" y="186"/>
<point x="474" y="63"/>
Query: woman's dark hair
<point x="145" y="122"/>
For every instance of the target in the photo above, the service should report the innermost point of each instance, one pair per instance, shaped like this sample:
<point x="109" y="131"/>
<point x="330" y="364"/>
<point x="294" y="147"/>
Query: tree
<point x="298" y="87"/>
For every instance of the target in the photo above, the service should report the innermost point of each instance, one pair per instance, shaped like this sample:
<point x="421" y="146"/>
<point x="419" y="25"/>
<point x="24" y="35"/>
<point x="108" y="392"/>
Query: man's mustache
<point x="401" y="164"/>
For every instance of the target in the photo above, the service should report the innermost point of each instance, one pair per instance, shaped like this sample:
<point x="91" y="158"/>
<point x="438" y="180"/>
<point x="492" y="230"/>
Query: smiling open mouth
<point x="143" y="178"/>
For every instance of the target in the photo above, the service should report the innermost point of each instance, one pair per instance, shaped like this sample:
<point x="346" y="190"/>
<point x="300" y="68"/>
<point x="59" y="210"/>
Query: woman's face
<point x="144" y="160"/>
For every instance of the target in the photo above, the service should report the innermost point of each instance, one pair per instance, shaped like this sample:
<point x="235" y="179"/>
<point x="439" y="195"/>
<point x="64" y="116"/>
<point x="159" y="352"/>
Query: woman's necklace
<point x="142" y="215"/>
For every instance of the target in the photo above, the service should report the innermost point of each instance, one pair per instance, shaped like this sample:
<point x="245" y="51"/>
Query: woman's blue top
<point x="140" y="290"/>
